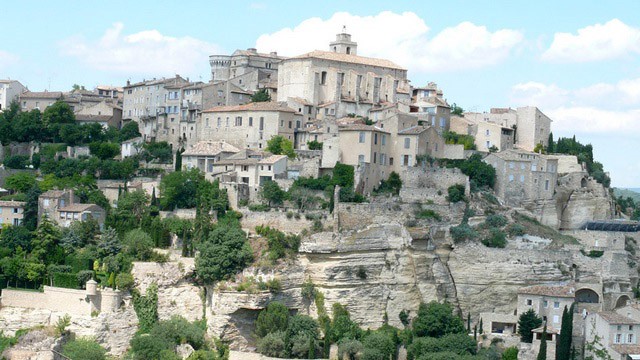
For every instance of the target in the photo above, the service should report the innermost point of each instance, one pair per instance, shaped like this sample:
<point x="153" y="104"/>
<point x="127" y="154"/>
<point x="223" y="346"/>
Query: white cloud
<point x="599" y="108"/>
<point x="403" y="38"/>
<point x="611" y="40"/>
<point x="7" y="59"/>
<point x="144" y="53"/>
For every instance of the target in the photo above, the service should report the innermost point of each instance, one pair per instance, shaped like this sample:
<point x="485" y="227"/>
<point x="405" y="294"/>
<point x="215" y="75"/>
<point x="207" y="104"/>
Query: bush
<point x="462" y="232"/>
<point x="273" y="344"/>
<point x="65" y="280"/>
<point x="456" y="193"/>
<point x="435" y="320"/>
<point x="516" y="230"/>
<point x="428" y="214"/>
<point x="350" y="348"/>
<point x="145" y="346"/>
<point x="361" y="272"/>
<point x="496" y="221"/>
<point x="16" y="161"/>
<point x="84" y="349"/>
<point x="124" y="281"/>
<point x="391" y="186"/>
<point x="178" y="330"/>
<point x="84" y="276"/>
<point x="510" y="353"/>
<point x="259" y="207"/>
<point x="138" y="244"/>
<point x="274" y="318"/>
<point x="380" y="343"/>
<point x="497" y="239"/>
<point x="274" y="285"/>
<point x="459" y="344"/>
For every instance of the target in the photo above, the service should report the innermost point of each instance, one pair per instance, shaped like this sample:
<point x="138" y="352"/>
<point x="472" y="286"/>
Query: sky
<point x="578" y="61"/>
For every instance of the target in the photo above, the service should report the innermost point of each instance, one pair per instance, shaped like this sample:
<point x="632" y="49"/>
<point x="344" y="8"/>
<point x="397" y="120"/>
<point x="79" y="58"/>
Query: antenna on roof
<point x="344" y="29"/>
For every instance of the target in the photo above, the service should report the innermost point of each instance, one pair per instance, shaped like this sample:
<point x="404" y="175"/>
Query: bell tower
<point x="343" y="44"/>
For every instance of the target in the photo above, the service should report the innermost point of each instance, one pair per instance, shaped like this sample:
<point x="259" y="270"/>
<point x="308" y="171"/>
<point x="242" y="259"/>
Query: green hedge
<point x="65" y="280"/>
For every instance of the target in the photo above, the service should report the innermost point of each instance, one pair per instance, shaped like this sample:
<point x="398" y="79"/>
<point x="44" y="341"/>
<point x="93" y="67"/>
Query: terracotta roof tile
<point x="212" y="148"/>
<point x="79" y="207"/>
<point x="613" y="318"/>
<point x="361" y="127"/>
<point x="348" y="58"/>
<point x="41" y="95"/>
<point x="254" y="106"/>
<point x="12" y="203"/>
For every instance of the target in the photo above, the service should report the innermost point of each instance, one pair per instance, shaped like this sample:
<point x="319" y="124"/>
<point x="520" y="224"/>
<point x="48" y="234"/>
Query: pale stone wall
<point x="452" y="151"/>
<point x="567" y="163"/>
<point x="599" y="240"/>
<point x="533" y="128"/>
<point x="71" y="301"/>
<point x="422" y="184"/>
<point x="279" y="220"/>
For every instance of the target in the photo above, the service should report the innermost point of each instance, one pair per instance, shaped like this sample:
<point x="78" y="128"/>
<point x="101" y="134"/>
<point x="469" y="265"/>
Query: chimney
<point x="274" y="53"/>
<point x="252" y="50"/>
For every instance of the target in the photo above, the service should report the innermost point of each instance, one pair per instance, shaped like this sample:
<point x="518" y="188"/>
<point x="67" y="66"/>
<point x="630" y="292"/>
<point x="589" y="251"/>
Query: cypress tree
<point x="480" y="327"/>
<point x="542" y="353"/>
<point x="468" y="322"/>
<point x="551" y="146"/>
<point x="563" y="349"/>
<point x="179" y="160"/>
<point x="475" y="332"/>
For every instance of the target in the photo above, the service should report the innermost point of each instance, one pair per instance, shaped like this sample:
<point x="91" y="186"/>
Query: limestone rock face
<point x="577" y="205"/>
<point x="35" y="345"/>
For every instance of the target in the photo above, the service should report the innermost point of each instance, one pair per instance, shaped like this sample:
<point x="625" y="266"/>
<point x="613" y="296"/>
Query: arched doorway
<point x="583" y="182"/>
<point x="587" y="296"/>
<point x="622" y="301"/>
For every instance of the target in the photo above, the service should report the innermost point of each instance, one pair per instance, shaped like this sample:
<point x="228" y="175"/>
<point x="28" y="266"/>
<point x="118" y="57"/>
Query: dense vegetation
<point x="584" y="153"/>
<point x="451" y="137"/>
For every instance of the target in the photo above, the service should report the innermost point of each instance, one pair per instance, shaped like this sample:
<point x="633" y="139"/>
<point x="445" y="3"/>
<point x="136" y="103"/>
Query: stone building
<point x="431" y="108"/>
<point x="531" y="126"/>
<point x="11" y="213"/>
<point x="10" y="91"/>
<point x="105" y="113"/>
<point x="204" y="154"/>
<point x="614" y="333"/>
<point x="63" y="207"/>
<point x="131" y="147"/>
<point x="51" y="201"/>
<point x="80" y="212"/>
<point x="250" y="125"/>
<point x="339" y="82"/>
<point x="488" y="136"/>
<point x="245" y="68"/>
<point x="30" y="100"/>
<point x="523" y="176"/>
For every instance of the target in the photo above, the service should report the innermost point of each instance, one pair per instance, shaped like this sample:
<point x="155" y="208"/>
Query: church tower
<point x="343" y="43"/>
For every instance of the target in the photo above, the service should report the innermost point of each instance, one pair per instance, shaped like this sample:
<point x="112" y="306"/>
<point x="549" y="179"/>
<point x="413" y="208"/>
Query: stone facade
<point x="10" y="91"/>
<point x="430" y="183"/>
<point x="11" y="213"/>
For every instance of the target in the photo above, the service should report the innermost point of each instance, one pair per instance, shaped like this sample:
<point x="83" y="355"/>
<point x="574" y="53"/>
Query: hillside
<point x="633" y="193"/>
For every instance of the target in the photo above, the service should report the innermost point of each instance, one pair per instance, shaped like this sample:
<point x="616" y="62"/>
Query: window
<point x="375" y="139"/>
<point x="383" y="159"/>
<point x="250" y="121"/>
<point x="238" y="120"/>
<point x="534" y="167"/>
<point x="384" y="139"/>
<point x="390" y="161"/>
<point x="219" y="122"/>
<point x="323" y="78"/>
<point x="522" y="166"/>
<point x="361" y="137"/>
<point x="46" y="202"/>
<point x="546" y="184"/>
<point x="207" y="122"/>
<point x="290" y="124"/>
<point x="442" y="122"/>
<point x="487" y="132"/>
<point x="630" y="327"/>
<point x="630" y="338"/>
<point x="15" y="210"/>
<point x="488" y="144"/>
<point x="63" y="214"/>
<point x="529" y="302"/>
<point x="618" y="339"/>
<point x="556" y="304"/>
<point x="511" y="178"/>
<point x="407" y="143"/>
<point x="227" y="121"/>
<point x="269" y="168"/>
<point x="219" y="93"/>
<point x="374" y="157"/>
<point x="281" y="123"/>
<point x="360" y="159"/>
<point x="510" y="165"/>
<point x="545" y="303"/>
<point x="556" y="319"/>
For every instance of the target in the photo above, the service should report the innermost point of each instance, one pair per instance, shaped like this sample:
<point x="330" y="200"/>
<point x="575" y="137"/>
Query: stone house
<point x="10" y="91"/>
<point x="523" y="176"/>
<point x="51" y="201"/>
<point x="250" y="125"/>
<point x="250" y="169"/>
<point x="80" y="212"/>
<point x="547" y="301"/>
<point x="11" y="213"/>
<point x="105" y="113"/>
<point x="368" y="149"/>
<point x="204" y="154"/>
<point x="339" y="82"/>
<point x="245" y="68"/>
<point x="486" y="134"/>
<point x="431" y="108"/>
<point x="131" y="147"/>
<point x="615" y="333"/>
<point x="531" y="126"/>
<point x="30" y="100"/>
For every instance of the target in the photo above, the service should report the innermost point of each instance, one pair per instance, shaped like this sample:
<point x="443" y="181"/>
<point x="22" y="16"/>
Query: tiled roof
<point x="245" y="157"/>
<point x="627" y="349"/>
<point x="549" y="290"/>
<point x="81" y="117"/>
<point x="254" y="106"/>
<point x="155" y="82"/>
<point x="53" y="193"/>
<point x="414" y="130"/>
<point x="272" y="159"/>
<point x="361" y="127"/>
<point x="348" y="58"/>
<point x="301" y="101"/>
<point x="255" y="53"/>
<point x="41" y="95"/>
<point x="550" y="330"/>
<point x="79" y="207"/>
<point x="613" y="318"/>
<point x="12" y="203"/>
<point x="211" y="148"/>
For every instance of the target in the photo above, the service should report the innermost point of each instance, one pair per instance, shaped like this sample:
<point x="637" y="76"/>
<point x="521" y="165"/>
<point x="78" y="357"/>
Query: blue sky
<point x="579" y="61"/>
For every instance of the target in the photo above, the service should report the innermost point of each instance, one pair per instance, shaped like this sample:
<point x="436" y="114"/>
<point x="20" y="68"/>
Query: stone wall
<point x="71" y="301"/>
<point x="599" y="240"/>
<point x="430" y="183"/>
<point x="279" y="220"/>
<point x="451" y="151"/>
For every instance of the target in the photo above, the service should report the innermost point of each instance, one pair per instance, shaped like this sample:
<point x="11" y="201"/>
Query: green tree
<point x="46" y="240"/>
<point x="455" y="193"/>
<point x="542" y="353"/>
<point x="179" y="189"/>
<point x="273" y="344"/>
<point x="436" y="319"/>
<point x="224" y="253"/>
<point x="551" y="148"/>
<point x="275" y="317"/>
<point x="279" y="145"/>
<point x="30" y="215"/>
<point x="456" y="110"/>
<point x="178" y="165"/>
<point x="379" y="343"/>
<point x="138" y="244"/>
<point x="129" y="131"/>
<point x="528" y="321"/>
<point x="563" y="349"/>
<point x="146" y="308"/>
<point x="20" y="182"/>
<point x="314" y="145"/>
<point x="272" y="193"/>
<point x="510" y="353"/>
<point x="84" y="349"/>
<point x="104" y="150"/>
<point x="261" y="95"/>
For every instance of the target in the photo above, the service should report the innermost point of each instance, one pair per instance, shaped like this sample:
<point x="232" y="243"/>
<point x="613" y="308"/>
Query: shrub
<point x="516" y="230"/>
<point x="259" y="207"/>
<point x="62" y="324"/>
<point x="593" y="253"/>
<point x="382" y="344"/>
<point x="145" y="346"/>
<point x="436" y="319"/>
<point x="361" y="272"/>
<point x="462" y="232"/>
<point x="350" y="348"/>
<point x="274" y="318"/>
<point x="85" y="349"/>
<point x="510" y="353"/>
<point x="84" y="276"/>
<point x="456" y="193"/>
<point x="317" y="226"/>
<point x="273" y="344"/>
<point x="178" y="330"/>
<point x="496" y="221"/>
<point x="274" y="285"/>
<point x="124" y="281"/>
<point x="497" y="239"/>
<point x="428" y="214"/>
<point x="65" y="280"/>
<point x="16" y="161"/>
<point x="459" y="344"/>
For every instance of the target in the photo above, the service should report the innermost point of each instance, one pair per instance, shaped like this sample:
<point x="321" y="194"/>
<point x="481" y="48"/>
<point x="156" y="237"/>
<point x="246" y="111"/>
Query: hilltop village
<point x="319" y="206"/>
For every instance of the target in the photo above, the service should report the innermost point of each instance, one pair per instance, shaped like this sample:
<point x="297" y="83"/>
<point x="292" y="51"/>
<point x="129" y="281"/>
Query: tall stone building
<point x="10" y="90"/>
<point x="339" y="82"/>
<point x="245" y="68"/>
